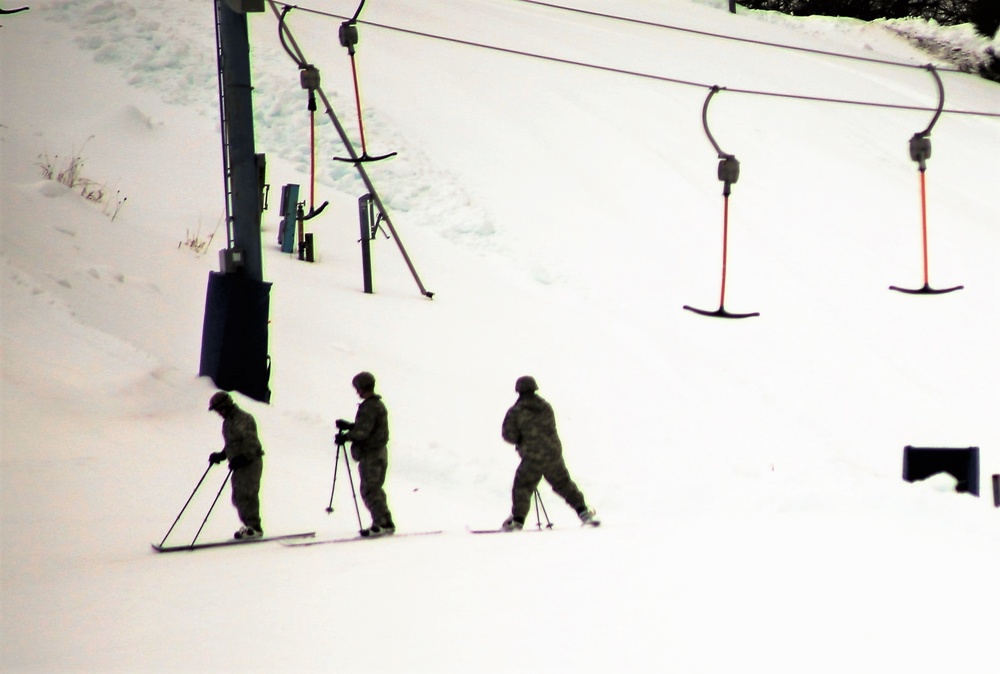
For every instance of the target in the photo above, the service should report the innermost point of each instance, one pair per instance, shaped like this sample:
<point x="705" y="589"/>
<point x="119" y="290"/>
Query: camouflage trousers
<point x="531" y="471"/>
<point x="246" y="489"/>
<point x="372" y="470"/>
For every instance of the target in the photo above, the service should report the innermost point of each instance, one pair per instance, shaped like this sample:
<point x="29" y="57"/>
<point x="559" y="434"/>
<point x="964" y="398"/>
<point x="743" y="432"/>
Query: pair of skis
<point x="160" y="547"/>
<point x="307" y="539"/>
<point x="548" y="527"/>
<point x="351" y="539"/>
<point x="291" y="540"/>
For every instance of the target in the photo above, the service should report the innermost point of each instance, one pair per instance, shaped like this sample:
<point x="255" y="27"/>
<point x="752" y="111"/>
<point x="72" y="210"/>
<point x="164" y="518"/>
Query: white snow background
<point x="748" y="473"/>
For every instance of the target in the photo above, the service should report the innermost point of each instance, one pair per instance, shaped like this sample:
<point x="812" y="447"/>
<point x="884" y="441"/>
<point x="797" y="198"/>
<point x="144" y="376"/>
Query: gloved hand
<point x="341" y="439"/>
<point x="344" y="424"/>
<point x="216" y="457"/>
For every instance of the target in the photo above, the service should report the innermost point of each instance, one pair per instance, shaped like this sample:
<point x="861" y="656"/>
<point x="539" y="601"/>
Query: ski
<point x="590" y="525"/>
<point x="351" y="539"/>
<point x="233" y="541"/>
<point x="505" y="531"/>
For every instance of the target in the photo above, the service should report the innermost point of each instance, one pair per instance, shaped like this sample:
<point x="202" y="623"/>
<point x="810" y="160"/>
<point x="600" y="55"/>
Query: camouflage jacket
<point x="239" y="430"/>
<point x="371" y="428"/>
<point x="530" y="425"/>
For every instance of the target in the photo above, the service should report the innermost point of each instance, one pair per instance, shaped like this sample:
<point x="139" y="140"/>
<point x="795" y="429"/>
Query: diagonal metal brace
<point x="288" y="40"/>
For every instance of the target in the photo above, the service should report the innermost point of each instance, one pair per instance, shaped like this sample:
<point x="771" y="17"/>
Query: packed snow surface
<point x="748" y="472"/>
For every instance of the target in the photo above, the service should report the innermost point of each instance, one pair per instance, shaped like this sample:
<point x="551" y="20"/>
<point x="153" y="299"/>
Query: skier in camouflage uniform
<point x="530" y="425"/>
<point x="244" y="452"/>
<point x="369" y="437"/>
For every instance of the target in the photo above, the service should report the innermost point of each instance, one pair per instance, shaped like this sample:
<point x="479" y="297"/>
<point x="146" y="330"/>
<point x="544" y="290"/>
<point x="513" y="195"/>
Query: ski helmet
<point x="220" y="401"/>
<point x="525" y="385"/>
<point x="364" y="382"/>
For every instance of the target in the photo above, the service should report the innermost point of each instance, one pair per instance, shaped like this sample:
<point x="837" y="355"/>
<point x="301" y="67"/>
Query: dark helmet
<point x="221" y="401"/>
<point x="364" y="382"/>
<point x="525" y="385"/>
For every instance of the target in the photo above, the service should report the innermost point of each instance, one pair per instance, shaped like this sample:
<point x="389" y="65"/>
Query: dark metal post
<point x="364" y="214"/>
<point x="234" y="333"/>
<point x="241" y="169"/>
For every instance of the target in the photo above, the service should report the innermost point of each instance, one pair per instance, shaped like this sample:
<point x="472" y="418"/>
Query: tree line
<point x="983" y="14"/>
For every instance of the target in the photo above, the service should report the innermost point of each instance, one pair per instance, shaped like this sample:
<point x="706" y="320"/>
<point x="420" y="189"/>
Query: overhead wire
<point x="733" y="38"/>
<point x="644" y="75"/>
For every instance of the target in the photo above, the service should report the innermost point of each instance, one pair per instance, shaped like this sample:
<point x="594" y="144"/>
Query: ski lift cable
<point x="648" y="76"/>
<point x="720" y="36"/>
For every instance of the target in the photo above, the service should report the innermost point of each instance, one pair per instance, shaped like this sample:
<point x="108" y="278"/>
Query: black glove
<point x="241" y="461"/>
<point x="341" y="439"/>
<point x="216" y="457"/>
<point x="344" y="424"/>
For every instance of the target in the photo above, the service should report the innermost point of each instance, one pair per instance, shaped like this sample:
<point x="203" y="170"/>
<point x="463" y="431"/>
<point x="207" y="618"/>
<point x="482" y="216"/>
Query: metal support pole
<point x="234" y="333"/>
<point x="241" y="170"/>
<point x="364" y="213"/>
<point x="355" y="157"/>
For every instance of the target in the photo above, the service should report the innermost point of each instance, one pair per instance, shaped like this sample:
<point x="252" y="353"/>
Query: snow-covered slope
<point x="748" y="472"/>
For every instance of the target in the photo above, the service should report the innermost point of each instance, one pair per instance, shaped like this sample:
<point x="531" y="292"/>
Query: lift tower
<point x="234" y="336"/>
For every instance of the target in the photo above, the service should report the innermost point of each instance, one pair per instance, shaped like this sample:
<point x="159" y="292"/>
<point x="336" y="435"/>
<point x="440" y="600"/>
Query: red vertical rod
<point x="923" y="213"/>
<point x="357" y="97"/>
<point x="725" y="247"/>
<point x="312" y="161"/>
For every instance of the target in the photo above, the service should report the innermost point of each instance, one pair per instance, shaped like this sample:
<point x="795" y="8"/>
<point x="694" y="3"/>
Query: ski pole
<point x="548" y="522"/>
<point x="204" y="475"/>
<point x="336" y="465"/>
<point x="538" y="502"/>
<point x="353" y="492"/>
<point x="212" y="506"/>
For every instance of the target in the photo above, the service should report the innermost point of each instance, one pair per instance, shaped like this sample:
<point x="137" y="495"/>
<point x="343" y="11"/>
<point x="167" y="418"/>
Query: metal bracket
<point x="920" y="143"/>
<point x="729" y="166"/>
